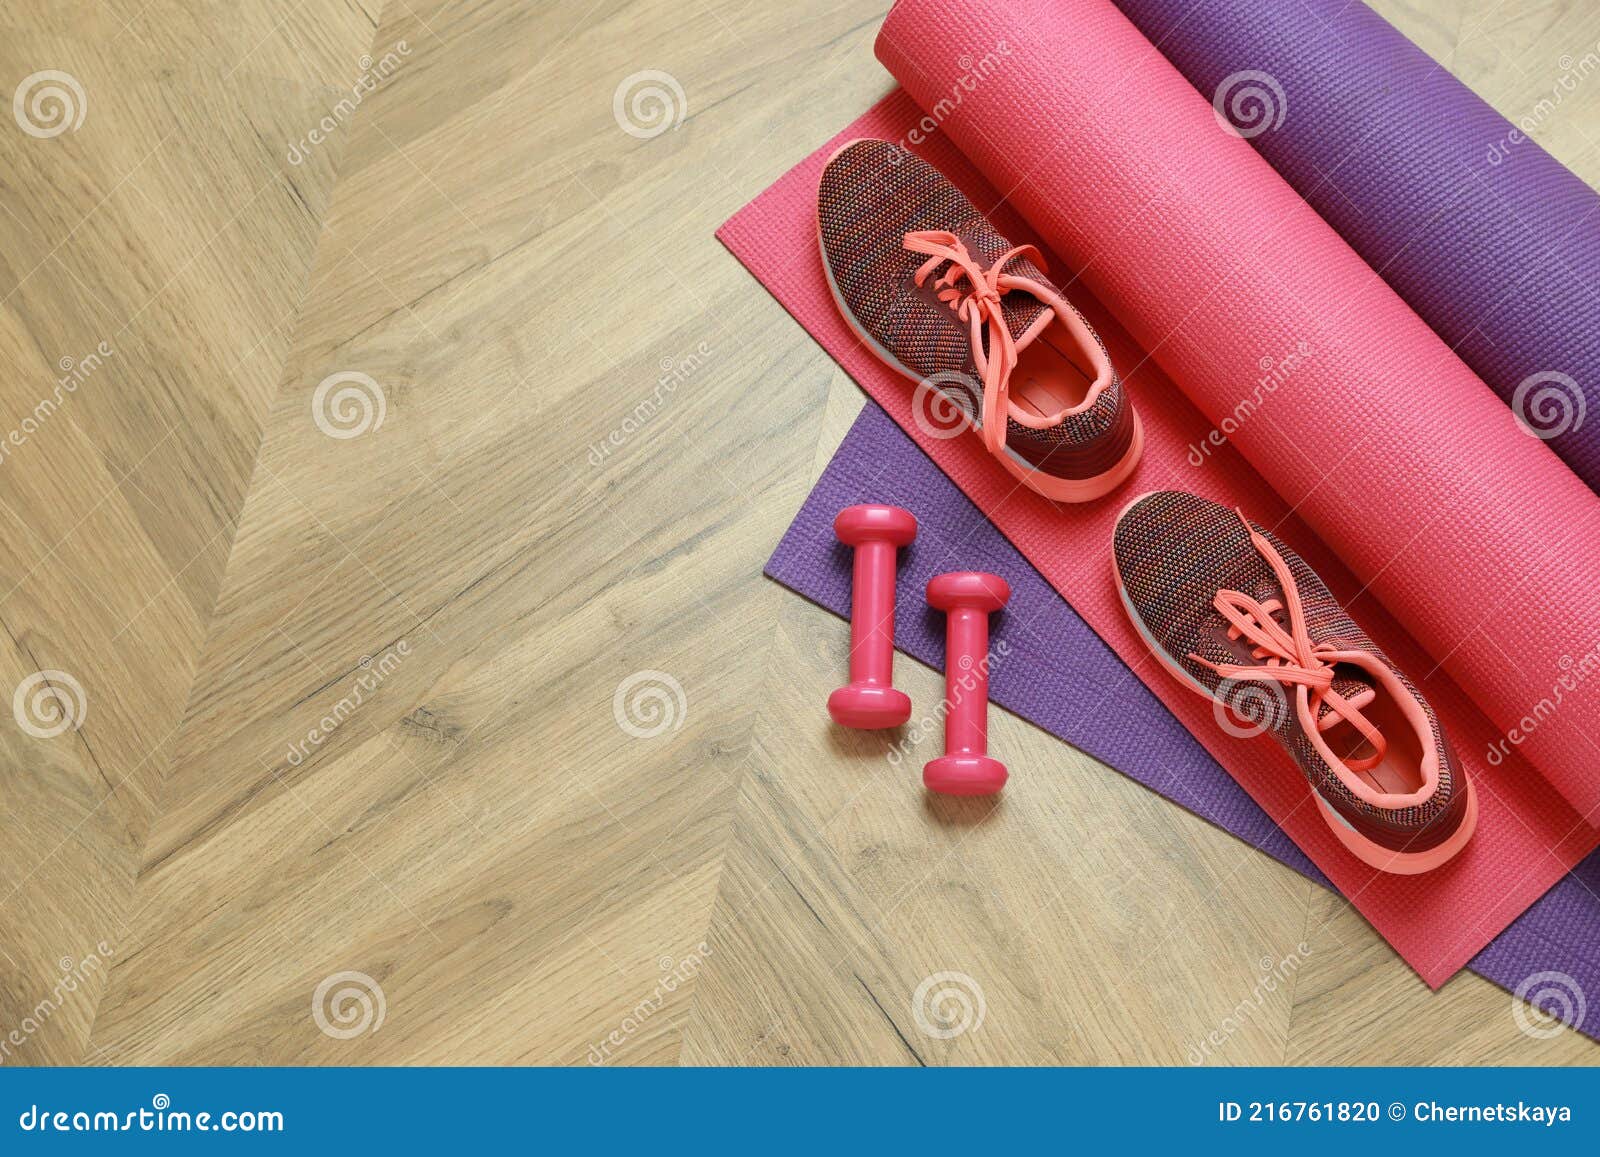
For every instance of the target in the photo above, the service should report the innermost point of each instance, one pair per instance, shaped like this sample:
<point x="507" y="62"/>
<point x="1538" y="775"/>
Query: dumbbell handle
<point x="966" y="687"/>
<point x="872" y="614"/>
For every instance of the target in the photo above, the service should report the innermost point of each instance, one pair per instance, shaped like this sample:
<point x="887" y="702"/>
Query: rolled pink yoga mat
<point x="1407" y="469"/>
<point x="1489" y="238"/>
<point x="1475" y="536"/>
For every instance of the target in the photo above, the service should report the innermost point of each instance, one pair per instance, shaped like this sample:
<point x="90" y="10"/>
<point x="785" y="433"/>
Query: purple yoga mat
<point x="1493" y="242"/>
<point x="1057" y="674"/>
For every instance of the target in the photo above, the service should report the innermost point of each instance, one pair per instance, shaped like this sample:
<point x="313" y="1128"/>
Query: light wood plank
<point x="121" y="250"/>
<point x="481" y="840"/>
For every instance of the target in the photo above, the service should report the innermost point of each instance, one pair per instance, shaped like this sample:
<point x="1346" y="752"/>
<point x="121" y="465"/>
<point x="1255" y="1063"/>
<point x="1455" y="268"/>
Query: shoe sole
<point x="1372" y="854"/>
<point x="1057" y="489"/>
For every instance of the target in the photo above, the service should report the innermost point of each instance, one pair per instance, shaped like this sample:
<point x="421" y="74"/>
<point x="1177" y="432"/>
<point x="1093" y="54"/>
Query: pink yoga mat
<point x="1528" y="834"/>
<point x="1472" y="533"/>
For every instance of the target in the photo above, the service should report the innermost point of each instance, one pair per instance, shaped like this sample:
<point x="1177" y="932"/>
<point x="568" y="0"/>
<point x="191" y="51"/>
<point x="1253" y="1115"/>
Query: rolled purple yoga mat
<point x="1492" y="241"/>
<point x="1053" y="671"/>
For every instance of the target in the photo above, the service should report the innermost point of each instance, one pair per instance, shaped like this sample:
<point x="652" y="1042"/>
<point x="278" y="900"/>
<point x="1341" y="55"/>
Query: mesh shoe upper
<point x="1174" y="553"/>
<point x="872" y="194"/>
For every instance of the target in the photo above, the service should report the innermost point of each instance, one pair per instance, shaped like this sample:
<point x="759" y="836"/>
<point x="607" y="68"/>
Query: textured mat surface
<point x="1492" y="241"/>
<point x="1309" y="364"/>
<point x="1528" y="836"/>
<point x="1058" y="675"/>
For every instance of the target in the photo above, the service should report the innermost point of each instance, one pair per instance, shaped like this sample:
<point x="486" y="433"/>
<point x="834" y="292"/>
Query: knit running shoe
<point x="1235" y="614"/>
<point x="929" y="285"/>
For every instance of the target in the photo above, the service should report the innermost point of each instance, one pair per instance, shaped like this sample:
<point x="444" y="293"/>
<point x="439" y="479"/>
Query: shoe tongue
<point x="1026" y="317"/>
<point x="1349" y="682"/>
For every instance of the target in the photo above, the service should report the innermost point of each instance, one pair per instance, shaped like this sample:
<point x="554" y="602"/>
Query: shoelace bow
<point x="978" y="304"/>
<point x="1288" y="656"/>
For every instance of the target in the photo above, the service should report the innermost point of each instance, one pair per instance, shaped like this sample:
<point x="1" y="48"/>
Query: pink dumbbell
<point x="967" y="598"/>
<point x="870" y="700"/>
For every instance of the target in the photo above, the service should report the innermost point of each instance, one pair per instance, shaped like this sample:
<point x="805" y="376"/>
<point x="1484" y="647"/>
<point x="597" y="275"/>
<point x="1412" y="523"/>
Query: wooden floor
<point x="390" y="455"/>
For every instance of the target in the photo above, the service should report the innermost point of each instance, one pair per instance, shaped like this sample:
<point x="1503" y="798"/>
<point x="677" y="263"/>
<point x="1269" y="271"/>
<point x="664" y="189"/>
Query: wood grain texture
<point x="480" y="839"/>
<point x="475" y="736"/>
<point x="136" y="366"/>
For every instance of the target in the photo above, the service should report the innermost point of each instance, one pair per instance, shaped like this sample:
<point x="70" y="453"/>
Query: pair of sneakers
<point x="930" y="286"/>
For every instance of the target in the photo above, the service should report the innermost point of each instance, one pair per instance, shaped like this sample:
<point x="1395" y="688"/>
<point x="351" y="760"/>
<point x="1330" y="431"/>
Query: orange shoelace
<point x="1289" y="657"/>
<point x="977" y="303"/>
